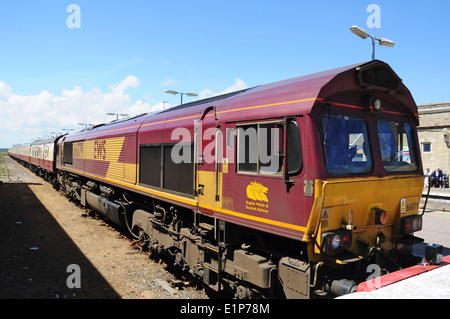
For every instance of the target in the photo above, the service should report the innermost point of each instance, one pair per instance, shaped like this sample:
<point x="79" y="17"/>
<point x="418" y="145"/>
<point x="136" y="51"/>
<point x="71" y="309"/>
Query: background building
<point x="434" y="135"/>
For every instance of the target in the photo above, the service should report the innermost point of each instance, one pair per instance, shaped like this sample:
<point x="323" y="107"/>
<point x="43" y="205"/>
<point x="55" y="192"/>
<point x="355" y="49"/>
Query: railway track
<point x="179" y="280"/>
<point x="437" y="201"/>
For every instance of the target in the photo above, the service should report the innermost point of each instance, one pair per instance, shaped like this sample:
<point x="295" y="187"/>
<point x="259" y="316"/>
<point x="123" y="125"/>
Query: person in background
<point x="427" y="177"/>
<point x="437" y="178"/>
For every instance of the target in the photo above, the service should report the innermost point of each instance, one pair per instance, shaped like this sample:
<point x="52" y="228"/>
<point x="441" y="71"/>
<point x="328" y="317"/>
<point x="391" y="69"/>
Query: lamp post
<point x="181" y="93"/>
<point x="446" y="138"/>
<point x="360" y="32"/>
<point x="86" y="125"/>
<point x="117" y="115"/>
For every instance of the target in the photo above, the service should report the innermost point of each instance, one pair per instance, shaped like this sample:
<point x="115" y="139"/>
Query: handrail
<point x="428" y="193"/>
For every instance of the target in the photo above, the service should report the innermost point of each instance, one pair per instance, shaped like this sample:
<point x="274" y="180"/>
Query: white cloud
<point x="5" y="90"/>
<point x="169" y="81"/>
<point x="239" y="84"/>
<point x="129" y="81"/>
<point x="25" y="117"/>
<point x="207" y="93"/>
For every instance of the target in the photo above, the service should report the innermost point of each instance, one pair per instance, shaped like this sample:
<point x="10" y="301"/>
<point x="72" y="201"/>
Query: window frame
<point x="68" y="155"/>
<point x="323" y="131"/>
<point x="422" y="147"/>
<point x="282" y="146"/>
<point x="413" y="147"/>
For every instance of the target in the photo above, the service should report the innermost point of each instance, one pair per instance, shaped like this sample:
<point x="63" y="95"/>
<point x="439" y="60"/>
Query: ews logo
<point x="100" y="150"/>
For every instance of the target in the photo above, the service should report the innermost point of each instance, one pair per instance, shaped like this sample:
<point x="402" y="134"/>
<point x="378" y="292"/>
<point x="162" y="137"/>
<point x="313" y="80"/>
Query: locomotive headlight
<point x="333" y="242"/>
<point x="411" y="224"/>
<point x="380" y="217"/>
<point x="376" y="104"/>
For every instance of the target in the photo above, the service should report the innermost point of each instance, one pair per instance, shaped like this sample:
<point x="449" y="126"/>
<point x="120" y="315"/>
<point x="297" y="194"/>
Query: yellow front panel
<point x="354" y="201"/>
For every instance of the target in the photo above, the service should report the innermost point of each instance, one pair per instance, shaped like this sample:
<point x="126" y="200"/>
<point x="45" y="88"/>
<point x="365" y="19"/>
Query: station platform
<point x="437" y="192"/>
<point x="424" y="281"/>
<point x="14" y="173"/>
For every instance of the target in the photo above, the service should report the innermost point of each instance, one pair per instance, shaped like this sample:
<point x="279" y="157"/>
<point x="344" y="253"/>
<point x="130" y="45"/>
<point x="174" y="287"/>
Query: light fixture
<point x="336" y="241"/>
<point x="381" y="216"/>
<point x="376" y="104"/>
<point x="446" y="139"/>
<point x="360" y="32"/>
<point x="117" y="115"/>
<point x="181" y="94"/>
<point x="86" y="125"/>
<point x="386" y="43"/>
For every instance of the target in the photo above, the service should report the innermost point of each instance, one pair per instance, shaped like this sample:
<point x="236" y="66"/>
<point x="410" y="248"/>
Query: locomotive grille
<point x="150" y="165"/>
<point x="157" y="169"/>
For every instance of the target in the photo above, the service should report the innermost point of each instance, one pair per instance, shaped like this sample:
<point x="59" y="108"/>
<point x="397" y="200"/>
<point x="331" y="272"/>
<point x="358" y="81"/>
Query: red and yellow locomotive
<point x="281" y="190"/>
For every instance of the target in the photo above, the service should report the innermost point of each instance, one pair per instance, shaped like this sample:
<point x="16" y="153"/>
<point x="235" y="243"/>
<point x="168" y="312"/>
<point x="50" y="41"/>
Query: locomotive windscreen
<point x="346" y="144"/>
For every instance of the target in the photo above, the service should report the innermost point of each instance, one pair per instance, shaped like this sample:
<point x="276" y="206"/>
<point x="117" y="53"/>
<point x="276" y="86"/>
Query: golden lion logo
<point x="257" y="191"/>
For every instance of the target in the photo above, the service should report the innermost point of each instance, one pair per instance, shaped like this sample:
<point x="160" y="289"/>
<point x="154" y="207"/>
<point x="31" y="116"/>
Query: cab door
<point x="208" y="150"/>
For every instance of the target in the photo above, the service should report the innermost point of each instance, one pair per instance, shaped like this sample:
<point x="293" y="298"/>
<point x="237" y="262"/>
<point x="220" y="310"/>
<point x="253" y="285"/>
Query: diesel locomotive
<point x="288" y="190"/>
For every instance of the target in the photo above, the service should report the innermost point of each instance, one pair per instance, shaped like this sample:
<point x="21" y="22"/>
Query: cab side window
<point x="260" y="148"/>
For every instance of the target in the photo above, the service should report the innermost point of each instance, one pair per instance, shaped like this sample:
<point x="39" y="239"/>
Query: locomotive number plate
<point x="409" y="205"/>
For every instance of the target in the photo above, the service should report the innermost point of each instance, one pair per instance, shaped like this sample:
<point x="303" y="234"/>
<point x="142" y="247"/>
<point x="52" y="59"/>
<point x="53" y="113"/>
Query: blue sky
<point x="126" y="53"/>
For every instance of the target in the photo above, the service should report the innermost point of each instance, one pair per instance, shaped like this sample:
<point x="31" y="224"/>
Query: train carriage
<point x="282" y="190"/>
<point x="20" y="153"/>
<point x="42" y="158"/>
<point x="25" y="153"/>
<point x="14" y="152"/>
<point x="37" y="155"/>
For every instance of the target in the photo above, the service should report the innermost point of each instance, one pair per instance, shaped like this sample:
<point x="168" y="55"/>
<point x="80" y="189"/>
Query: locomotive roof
<point x="306" y="90"/>
<point x="203" y="101"/>
<point x="320" y="77"/>
<point x="122" y="125"/>
<point x="284" y="98"/>
<point x="45" y="141"/>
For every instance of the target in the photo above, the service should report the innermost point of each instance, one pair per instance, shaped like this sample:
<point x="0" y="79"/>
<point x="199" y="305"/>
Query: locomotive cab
<point x="370" y="183"/>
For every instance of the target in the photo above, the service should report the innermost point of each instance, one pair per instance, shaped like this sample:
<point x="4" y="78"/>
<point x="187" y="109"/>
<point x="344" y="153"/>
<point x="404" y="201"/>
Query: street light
<point x="117" y="114"/>
<point x="360" y="32"/>
<point x="86" y="125"/>
<point x="446" y="138"/>
<point x="181" y="93"/>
